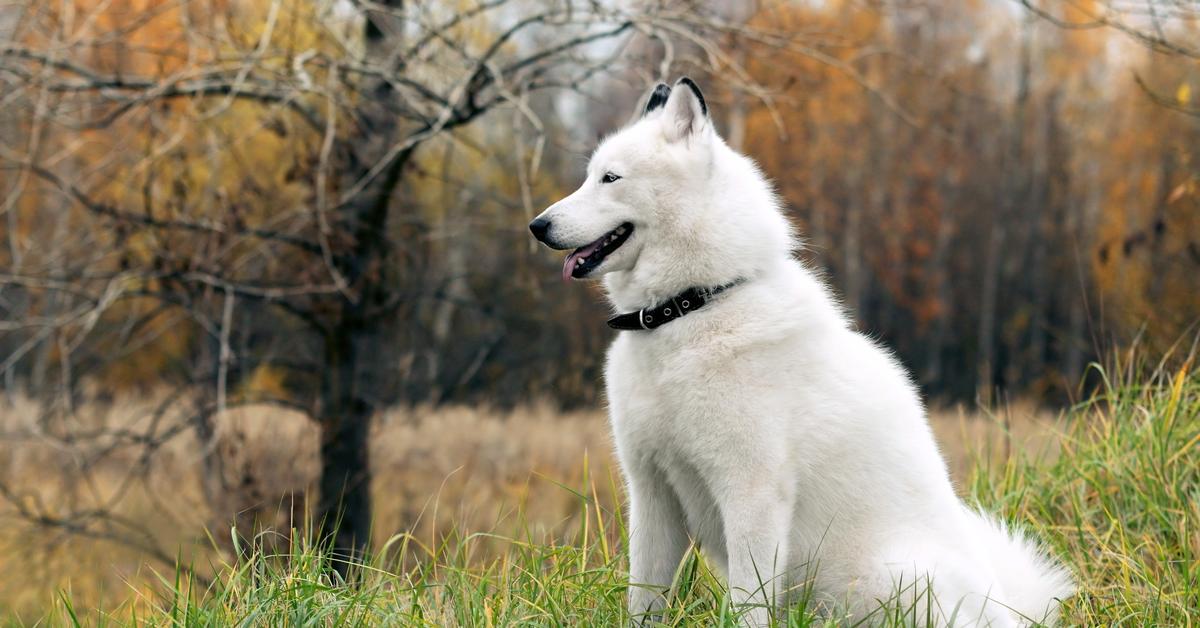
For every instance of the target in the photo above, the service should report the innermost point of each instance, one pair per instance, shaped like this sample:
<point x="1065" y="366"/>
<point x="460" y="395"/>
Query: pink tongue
<point x="569" y="264"/>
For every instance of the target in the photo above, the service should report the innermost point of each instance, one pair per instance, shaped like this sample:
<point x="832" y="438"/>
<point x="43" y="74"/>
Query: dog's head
<point x="667" y="205"/>
<point x="633" y="184"/>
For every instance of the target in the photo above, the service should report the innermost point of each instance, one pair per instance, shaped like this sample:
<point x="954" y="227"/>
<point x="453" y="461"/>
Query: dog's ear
<point x="658" y="98"/>
<point x="685" y="112"/>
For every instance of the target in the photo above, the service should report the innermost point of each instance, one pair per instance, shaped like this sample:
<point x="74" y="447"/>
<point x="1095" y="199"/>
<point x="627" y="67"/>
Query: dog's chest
<point x="666" y="428"/>
<point x="666" y="404"/>
<point x="654" y="389"/>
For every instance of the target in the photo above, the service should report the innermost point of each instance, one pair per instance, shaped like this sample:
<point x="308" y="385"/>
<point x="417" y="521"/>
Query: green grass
<point x="1120" y="505"/>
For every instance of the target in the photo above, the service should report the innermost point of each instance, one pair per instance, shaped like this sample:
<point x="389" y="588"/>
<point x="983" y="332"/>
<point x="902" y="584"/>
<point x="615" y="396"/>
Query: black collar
<point x="679" y="305"/>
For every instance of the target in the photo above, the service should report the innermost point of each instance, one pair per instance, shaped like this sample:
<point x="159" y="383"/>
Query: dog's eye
<point x="609" y="177"/>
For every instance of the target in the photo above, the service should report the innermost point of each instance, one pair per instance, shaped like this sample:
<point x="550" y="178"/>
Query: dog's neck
<point x="678" y="306"/>
<point x="633" y="290"/>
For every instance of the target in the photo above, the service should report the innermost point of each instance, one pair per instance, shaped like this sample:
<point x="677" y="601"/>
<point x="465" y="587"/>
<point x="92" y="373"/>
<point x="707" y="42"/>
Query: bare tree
<point x="116" y="241"/>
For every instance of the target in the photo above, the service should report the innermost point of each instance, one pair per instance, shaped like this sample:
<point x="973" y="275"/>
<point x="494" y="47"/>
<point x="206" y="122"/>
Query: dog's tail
<point x="1033" y="582"/>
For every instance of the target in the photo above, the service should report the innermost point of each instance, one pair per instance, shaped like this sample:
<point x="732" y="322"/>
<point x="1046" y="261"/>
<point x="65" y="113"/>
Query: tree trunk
<point x="735" y="134"/>
<point x="1015" y="192"/>
<point x="352" y="342"/>
<point x="344" y="511"/>
<point x="939" y="270"/>
<point x="1041" y="221"/>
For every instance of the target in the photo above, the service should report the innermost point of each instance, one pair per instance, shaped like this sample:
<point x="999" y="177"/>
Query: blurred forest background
<point x="255" y="252"/>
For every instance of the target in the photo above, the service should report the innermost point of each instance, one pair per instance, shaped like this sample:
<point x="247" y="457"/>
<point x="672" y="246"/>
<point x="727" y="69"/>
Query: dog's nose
<point x="539" y="227"/>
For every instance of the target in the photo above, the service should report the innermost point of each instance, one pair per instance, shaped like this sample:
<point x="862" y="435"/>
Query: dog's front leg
<point x="756" y="542"/>
<point x="657" y="542"/>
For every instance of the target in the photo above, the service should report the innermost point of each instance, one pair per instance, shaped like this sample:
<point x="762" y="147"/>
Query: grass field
<point x="1117" y="497"/>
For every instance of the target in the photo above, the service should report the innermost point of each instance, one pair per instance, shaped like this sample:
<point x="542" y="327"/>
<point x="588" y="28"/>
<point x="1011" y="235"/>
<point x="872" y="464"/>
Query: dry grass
<point x="968" y="437"/>
<point x="455" y="468"/>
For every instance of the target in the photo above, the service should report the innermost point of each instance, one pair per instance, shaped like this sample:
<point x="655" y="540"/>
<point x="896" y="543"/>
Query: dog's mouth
<point x="585" y="259"/>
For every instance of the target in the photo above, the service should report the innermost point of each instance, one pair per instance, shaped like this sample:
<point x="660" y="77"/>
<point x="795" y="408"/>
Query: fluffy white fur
<point x="762" y="427"/>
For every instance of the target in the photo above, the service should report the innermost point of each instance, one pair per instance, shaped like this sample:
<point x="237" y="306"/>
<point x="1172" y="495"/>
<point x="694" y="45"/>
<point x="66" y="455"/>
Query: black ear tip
<point x="695" y="90"/>
<point x="658" y="97"/>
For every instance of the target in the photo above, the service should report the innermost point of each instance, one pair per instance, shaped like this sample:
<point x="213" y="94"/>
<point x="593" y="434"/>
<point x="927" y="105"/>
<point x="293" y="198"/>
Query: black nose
<point x="539" y="227"/>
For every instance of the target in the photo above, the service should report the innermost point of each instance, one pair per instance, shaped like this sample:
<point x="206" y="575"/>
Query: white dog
<point x="749" y="418"/>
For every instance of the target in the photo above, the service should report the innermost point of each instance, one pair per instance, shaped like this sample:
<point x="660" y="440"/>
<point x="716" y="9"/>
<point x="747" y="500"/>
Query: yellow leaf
<point x="1177" y="193"/>
<point x="1184" y="94"/>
